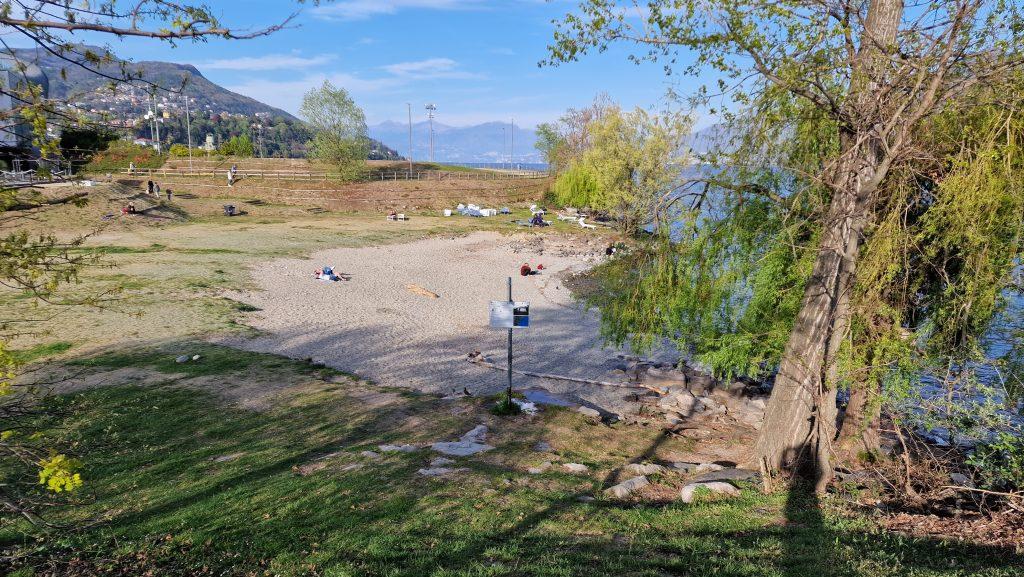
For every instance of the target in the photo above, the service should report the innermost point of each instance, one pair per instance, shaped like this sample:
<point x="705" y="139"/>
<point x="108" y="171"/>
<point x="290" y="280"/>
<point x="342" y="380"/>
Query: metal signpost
<point x="508" y="315"/>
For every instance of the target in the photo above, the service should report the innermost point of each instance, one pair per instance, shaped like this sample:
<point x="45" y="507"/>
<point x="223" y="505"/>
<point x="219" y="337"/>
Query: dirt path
<point x="374" y="326"/>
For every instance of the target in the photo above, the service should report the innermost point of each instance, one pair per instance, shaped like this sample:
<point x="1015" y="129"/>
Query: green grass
<point x="169" y="507"/>
<point x="41" y="352"/>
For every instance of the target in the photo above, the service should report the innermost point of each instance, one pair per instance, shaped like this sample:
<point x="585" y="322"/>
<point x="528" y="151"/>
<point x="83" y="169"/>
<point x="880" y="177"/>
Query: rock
<point x="441" y="461"/>
<point x="397" y="448"/>
<point x="476" y="435"/>
<point x="438" y="471"/>
<point x="585" y="499"/>
<point x="665" y="376"/>
<point x="698" y="384"/>
<point x="674" y="419"/>
<point x="625" y="488"/>
<point x="539" y="469"/>
<point x="757" y="404"/>
<point x="542" y="447"/>
<point x="575" y="467"/>
<point x="195" y="357"/>
<point x="460" y="448"/>
<point x="961" y="480"/>
<point x="683" y="467"/>
<point x="588" y="412"/>
<point x="726" y="474"/>
<point x="717" y="488"/>
<point x="352" y="467"/>
<point x="706" y="467"/>
<point x="181" y="359"/>
<point x="370" y="454"/>
<point x="698" y="434"/>
<point x="227" y="458"/>
<point x="687" y="405"/>
<point x="644" y="468"/>
<point x="709" y="404"/>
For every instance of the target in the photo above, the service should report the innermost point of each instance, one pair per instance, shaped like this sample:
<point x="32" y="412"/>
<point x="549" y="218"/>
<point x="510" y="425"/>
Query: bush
<point x="237" y="146"/>
<point x="178" y="150"/>
<point x="119" y="154"/>
<point x="575" y="187"/>
<point x="1000" y="461"/>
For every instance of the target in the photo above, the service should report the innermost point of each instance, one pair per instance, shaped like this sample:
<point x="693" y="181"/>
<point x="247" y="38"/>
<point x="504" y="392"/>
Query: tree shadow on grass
<point x="386" y="519"/>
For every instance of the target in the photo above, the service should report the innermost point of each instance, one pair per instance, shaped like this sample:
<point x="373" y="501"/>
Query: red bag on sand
<point x="525" y="270"/>
<point x="540" y="267"/>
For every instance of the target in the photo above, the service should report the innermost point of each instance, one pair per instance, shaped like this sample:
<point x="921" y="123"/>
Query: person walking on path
<point x="131" y="168"/>
<point x="149" y="187"/>
<point x="231" y="178"/>
<point x="168" y="195"/>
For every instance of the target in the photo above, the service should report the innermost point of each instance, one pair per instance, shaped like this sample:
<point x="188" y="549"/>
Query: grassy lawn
<point x="183" y="482"/>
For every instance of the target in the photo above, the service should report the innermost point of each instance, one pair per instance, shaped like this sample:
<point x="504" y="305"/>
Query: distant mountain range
<point x="482" y="143"/>
<point x="487" y="142"/>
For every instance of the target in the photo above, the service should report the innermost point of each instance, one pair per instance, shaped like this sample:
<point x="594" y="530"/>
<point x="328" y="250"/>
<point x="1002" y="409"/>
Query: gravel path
<point x="373" y="326"/>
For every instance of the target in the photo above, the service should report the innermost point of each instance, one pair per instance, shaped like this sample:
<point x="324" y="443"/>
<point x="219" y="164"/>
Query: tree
<point x="339" y="129"/>
<point x="40" y="266"/>
<point x="634" y="158"/>
<point x="238" y="146"/>
<point x="838" y="103"/>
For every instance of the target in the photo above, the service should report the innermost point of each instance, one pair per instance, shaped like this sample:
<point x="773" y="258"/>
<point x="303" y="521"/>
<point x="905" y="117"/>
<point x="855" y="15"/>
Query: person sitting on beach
<point x="525" y="270"/>
<point x="538" y="220"/>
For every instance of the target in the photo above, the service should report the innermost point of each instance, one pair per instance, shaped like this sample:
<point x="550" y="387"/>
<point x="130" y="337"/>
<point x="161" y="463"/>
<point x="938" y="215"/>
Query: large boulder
<point x="717" y="489"/>
<point x="625" y="488"/>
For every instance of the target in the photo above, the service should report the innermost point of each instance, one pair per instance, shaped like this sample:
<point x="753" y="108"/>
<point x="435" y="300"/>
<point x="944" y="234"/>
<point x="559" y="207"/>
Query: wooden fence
<point x="370" y="176"/>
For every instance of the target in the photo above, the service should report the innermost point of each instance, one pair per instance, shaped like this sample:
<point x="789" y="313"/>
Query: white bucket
<point x="447" y="212"/>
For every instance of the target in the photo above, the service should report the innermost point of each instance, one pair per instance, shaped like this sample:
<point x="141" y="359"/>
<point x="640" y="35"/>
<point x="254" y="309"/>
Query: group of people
<point x="153" y="188"/>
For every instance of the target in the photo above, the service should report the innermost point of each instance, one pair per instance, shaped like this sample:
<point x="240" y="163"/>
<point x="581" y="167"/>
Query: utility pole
<point x="504" y="148"/>
<point x="512" y="145"/>
<point x="430" y="117"/>
<point x="188" y="128"/>
<point x="409" y="105"/>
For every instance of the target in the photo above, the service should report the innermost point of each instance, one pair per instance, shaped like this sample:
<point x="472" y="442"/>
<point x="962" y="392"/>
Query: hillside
<point x="214" y="109"/>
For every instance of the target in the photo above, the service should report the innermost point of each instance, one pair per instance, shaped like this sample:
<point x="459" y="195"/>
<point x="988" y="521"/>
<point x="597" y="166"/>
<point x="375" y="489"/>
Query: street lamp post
<point x="409" y="105"/>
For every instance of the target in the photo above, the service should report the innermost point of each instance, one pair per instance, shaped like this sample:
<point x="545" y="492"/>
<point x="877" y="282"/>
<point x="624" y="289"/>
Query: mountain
<point x="214" y="110"/>
<point x="92" y="91"/>
<point x="478" y="143"/>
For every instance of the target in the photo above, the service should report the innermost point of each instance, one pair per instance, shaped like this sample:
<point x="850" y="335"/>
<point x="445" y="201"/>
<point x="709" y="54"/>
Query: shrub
<point x="178" y="150"/>
<point x="119" y="154"/>
<point x="575" y="187"/>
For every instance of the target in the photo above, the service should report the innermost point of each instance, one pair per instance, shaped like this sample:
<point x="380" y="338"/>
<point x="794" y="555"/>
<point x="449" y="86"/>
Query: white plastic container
<point x="447" y="212"/>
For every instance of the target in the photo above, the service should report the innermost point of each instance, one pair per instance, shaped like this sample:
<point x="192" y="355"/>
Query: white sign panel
<point x="508" y="315"/>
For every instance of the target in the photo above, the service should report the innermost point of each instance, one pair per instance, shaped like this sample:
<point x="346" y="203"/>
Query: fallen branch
<point x="563" y="378"/>
<point x="985" y="491"/>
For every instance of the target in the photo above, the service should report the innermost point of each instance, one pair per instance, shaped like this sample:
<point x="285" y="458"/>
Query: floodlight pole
<point x="409" y="105"/>
<point x="510" y="345"/>
<point x="188" y="128"/>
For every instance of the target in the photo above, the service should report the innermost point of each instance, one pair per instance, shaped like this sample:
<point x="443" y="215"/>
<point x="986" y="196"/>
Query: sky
<point x="476" y="60"/>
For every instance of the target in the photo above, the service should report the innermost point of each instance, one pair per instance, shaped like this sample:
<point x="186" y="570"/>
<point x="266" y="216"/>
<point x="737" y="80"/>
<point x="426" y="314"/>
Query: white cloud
<point x="427" y="69"/>
<point x="287" y="95"/>
<point x="268" y="62"/>
<point x="364" y="9"/>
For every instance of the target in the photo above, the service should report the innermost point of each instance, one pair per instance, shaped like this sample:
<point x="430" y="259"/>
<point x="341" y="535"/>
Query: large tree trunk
<point x="800" y="420"/>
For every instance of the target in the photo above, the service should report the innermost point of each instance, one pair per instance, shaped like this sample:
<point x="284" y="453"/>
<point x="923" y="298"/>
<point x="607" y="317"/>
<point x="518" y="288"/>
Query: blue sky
<point x="475" y="59"/>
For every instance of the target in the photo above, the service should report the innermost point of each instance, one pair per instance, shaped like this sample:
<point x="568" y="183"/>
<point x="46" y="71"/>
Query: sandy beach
<point x="372" y="325"/>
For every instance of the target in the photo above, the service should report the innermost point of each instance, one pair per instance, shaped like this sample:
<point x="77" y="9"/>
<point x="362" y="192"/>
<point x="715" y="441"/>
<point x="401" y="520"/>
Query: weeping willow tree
<point x="826" y="248"/>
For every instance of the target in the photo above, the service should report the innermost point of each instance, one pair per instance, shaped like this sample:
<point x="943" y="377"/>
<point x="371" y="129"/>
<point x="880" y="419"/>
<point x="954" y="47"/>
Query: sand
<point x="374" y="326"/>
